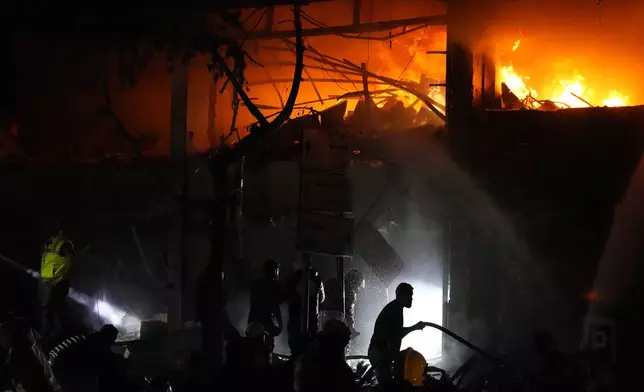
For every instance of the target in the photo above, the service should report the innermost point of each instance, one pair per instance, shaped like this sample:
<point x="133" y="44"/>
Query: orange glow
<point x="616" y="99"/>
<point x="591" y="295"/>
<point x="516" y="83"/>
<point x="564" y="88"/>
<point x="404" y="59"/>
<point x="419" y="63"/>
<point x="516" y="45"/>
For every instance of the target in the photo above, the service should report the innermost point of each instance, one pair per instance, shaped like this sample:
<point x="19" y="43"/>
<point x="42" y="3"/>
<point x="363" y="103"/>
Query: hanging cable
<point x="325" y="70"/>
<point x="261" y="17"/>
<point x="390" y="42"/>
<point x="413" y="55"/>
<point x="373" y="3"/>
<point x="390" y="36"/>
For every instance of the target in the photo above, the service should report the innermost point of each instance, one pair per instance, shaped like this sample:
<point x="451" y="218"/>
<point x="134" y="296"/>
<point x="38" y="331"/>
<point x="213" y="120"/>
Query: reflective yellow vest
<point x="52" y="264"/>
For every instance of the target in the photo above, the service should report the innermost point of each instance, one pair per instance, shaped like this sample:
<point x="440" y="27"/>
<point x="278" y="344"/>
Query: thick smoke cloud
<point x="439" y="192"/>
<point x="618" y="267"/>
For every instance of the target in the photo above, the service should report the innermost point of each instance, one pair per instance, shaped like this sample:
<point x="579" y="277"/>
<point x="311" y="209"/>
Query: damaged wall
<point x="558" y="177"/>
<point x="58" y="106"/>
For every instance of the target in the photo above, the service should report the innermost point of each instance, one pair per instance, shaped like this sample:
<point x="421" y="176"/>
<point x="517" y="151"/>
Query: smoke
<point x="237" y="307"/>
<point x="428" y="306"/>
<point x="422" y="270"/>
<point x="619" y="263"/>
<point x="601" y="42"/>
<point x="129" y="325"/>
<point x="419" y="245"/>
<point x="494" y="305"/>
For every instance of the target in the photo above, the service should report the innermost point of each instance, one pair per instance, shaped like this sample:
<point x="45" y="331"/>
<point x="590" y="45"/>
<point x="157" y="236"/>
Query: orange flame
<point x="616" y="99"/>
<point x="516" y="83"/>
<point x="516" y="45"/>
<point x="564" y="91"/>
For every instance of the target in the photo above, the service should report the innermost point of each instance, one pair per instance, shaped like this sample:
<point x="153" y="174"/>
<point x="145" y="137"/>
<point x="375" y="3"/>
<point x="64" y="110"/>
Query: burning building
<point x="482" y="170"/>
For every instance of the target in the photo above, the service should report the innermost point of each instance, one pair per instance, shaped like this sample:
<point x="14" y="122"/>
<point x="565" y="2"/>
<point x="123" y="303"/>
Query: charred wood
<point x="581" y="99"/>
<point x="509" y="100"/>
<point x="548" y="106"/>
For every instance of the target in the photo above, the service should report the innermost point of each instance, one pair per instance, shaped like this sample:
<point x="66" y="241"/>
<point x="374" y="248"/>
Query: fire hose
<point x="478" y="350"/>
<point x="103" y="309"/>
<point x="463" y="369"/>
<point x="485" y="354"/>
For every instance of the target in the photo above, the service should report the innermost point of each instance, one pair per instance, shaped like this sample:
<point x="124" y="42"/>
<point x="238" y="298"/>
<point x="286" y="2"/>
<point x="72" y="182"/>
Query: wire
<point x="312" y="20"/>
<point x="413" y="55"/>
<point x="386" y="37"/>
<point x="254" y="27"/>
<point x="325" y="70"/>
<point x="373" y="3"/>
<point x="250" y="16"/>
<point x="390" y="29"/>
<point x="261" y="17"/>
<point x="317" y="23"/>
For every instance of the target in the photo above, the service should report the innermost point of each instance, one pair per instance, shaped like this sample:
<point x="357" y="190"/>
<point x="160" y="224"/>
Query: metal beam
<point x="434" y="20"/>
<point x="178" y="140"/>
<point x="311" y="80"/>
<point x="270" y="18"/>
<point x="241" y="4"/>
<point x="357" y="5"/>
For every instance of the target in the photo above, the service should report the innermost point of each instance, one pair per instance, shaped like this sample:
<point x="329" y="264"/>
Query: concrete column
<point x="466" y="21"/>
<point x="178" y="144"/>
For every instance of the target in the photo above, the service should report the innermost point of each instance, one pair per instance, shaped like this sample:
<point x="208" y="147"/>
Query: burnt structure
<point x="556" y="177"/>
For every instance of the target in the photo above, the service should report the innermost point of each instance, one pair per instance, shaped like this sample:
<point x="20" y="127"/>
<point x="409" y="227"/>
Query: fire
<point x="568" y="91"/>
<point x="516" y="45"/>
<point x="408" y="62"/>
<point x="516" y="83"/>
<point x="616" y="99"/>
<point x="564" y="90"/>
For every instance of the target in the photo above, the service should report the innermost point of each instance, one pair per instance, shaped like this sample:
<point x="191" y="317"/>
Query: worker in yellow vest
<point x="54" y="266"/>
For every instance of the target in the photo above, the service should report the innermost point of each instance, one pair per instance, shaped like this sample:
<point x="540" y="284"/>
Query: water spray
<point x="104" y="310"/>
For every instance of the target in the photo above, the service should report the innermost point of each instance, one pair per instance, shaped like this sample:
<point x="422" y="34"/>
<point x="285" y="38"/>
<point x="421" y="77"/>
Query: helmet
<point x="410" y="365"/>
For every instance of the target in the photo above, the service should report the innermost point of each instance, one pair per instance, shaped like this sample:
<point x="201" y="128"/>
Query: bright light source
<point x="128" y="325"/>
<point x="110" y="313"/>
<point x="427" y="306"/>
<point x="103" y="309"/>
